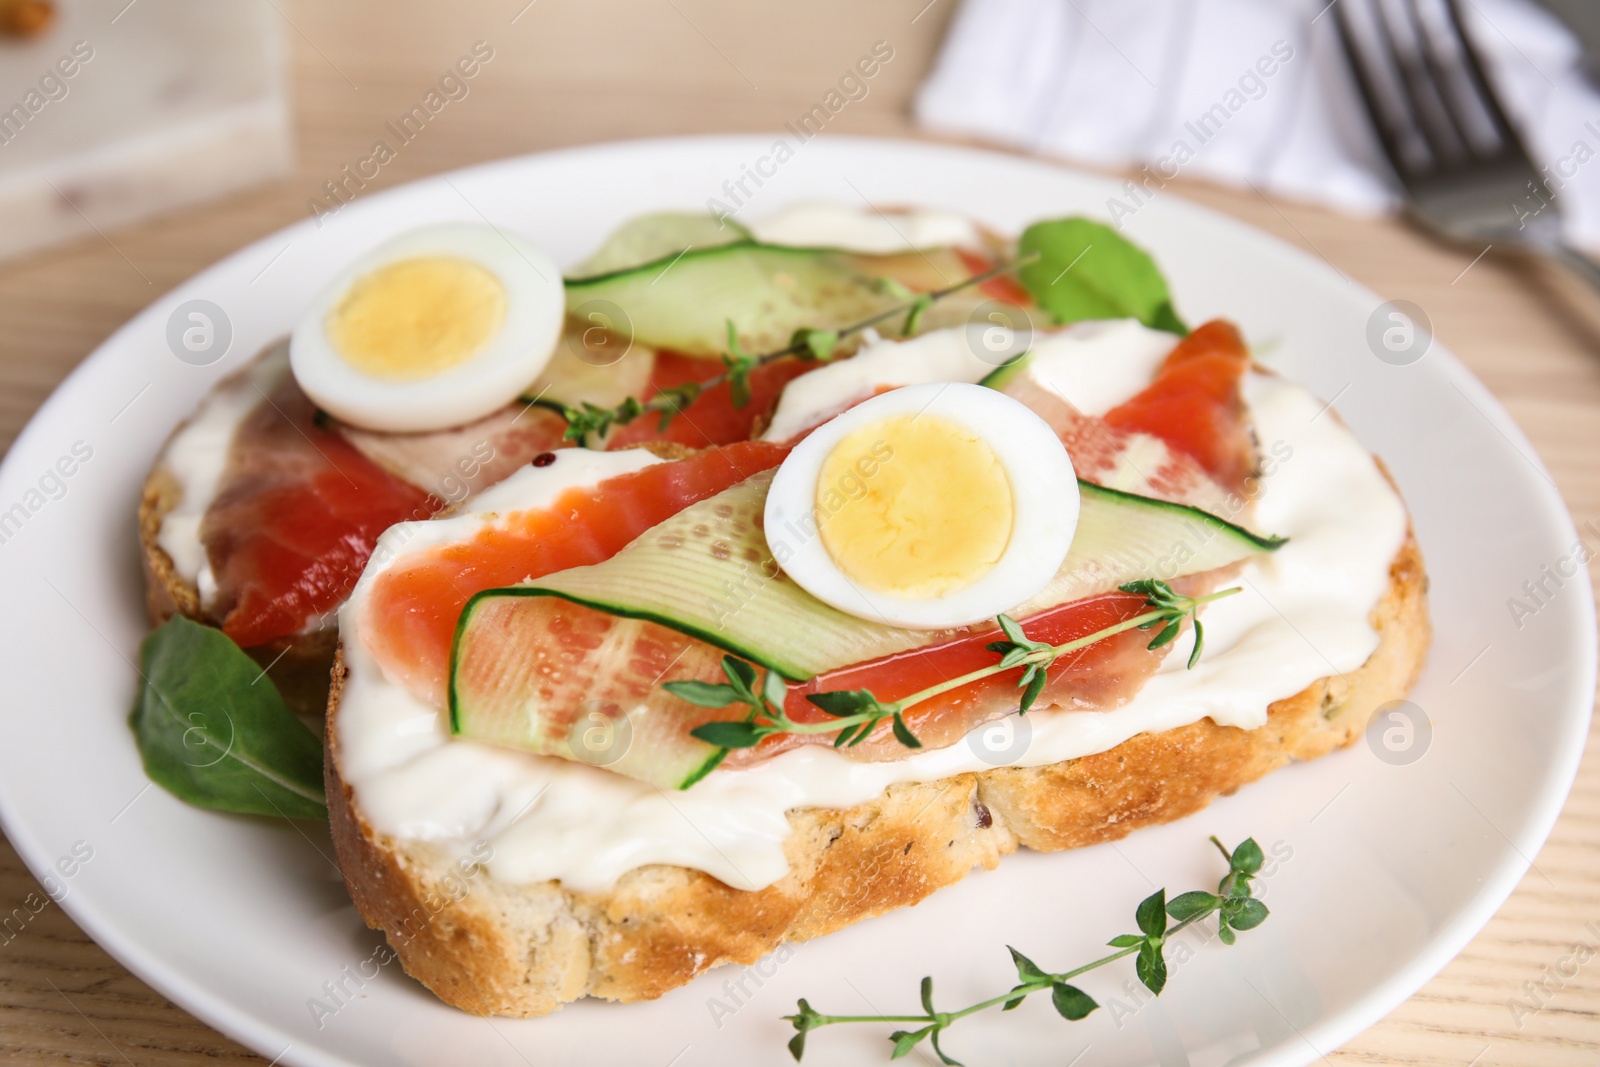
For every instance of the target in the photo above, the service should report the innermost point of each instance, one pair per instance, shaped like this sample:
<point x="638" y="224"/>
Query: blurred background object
<point x="1466" y="175"/>
<point x="1246" y="93"/>
<point x="1583" y="19"/>
<point x="112" y="111"/>
<point x="25" y="18"/>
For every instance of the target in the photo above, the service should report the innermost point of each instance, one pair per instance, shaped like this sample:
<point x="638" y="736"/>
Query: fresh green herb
<point x="817" y="345"/>
<point x="212" y="729"/>
<point x="1159" y="595"/>
<point x="856" y="713"/>
<point x="586" y="421"/>
<point x="1086" y="270"/>
<point x="1232" y="903"/>
<point x="739" y="363"/>
<point x="914" y="315"/>
<point x="590" y="418"/>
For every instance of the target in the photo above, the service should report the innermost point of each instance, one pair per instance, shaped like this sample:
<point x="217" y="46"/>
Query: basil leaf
<point x="213" y="731"/>
<point x="1086" y="270"/>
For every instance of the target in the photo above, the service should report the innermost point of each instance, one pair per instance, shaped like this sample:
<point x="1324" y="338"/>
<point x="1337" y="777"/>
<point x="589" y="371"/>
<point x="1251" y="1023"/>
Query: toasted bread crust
<point x="497" y="949"/>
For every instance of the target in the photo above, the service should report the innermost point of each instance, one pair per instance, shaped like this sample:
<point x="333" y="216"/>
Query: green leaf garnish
<point x="843" y="702"/>
<point x="1071" y="1002"/>
<point x="213" y="731"/>
<point x="728" y="734"/>
<point x="704" y="694"/>
<point x="1247" y="858"/>
<point x="1245" y="914"/>
<point x="1151" y="967"/>
<point x="903" y="734"/>
<point x="1087" y="270"/>
<point x="1027" y="970"/>
<point x="1152" y="913"/>
<point x="1190" y="904"/>
<point x="815" y="344"/>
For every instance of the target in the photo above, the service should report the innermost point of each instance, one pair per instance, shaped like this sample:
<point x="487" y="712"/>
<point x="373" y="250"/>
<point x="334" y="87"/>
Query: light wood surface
<point x="568" y="73"/>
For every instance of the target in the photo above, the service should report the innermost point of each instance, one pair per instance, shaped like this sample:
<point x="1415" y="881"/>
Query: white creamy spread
<point x="197" y="457"/>
<point x="1303" y="615"/>
<point x="1095" y="365"/>
<point x="865" y="230"/>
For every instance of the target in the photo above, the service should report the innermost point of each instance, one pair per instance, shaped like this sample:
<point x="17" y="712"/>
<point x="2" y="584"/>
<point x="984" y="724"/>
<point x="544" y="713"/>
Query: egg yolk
<point x="914" y="506"/>
<point x="417" y="317"/>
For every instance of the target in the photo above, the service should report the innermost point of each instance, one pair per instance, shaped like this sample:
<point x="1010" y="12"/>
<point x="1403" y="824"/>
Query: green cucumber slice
<point x="1007" y="372"/>
<point x="685" y="302"/>
<point x="707" y="572"/>
<point x="649" y="238"/>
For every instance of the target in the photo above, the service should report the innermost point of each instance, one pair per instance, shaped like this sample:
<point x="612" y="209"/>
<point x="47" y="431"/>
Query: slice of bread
<point x="497" y="949"/>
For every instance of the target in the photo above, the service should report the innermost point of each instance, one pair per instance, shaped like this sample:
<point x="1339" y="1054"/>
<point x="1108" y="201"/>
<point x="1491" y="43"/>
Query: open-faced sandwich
<point x="750" y="582"/>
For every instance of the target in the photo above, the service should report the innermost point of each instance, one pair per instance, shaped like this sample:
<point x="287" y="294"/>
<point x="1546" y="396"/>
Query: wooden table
<point x="567" y="73"/>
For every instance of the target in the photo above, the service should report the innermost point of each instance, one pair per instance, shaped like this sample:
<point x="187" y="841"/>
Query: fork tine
<point x="1390" y="127"/>
<point x="1428" y="82"/>
<point x="1473" y="68"/>
<point x="1424" y="99"/>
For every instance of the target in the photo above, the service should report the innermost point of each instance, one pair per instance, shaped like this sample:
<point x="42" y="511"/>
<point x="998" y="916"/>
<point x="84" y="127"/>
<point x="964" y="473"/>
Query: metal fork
<point x="1465" y="172"/>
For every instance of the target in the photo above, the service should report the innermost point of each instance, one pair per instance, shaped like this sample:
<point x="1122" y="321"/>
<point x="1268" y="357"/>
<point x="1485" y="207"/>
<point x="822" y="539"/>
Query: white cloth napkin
<point x="1245" y="92"/>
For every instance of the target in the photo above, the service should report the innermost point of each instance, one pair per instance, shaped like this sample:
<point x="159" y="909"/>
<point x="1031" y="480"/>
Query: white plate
<point x="1385" y="870"/>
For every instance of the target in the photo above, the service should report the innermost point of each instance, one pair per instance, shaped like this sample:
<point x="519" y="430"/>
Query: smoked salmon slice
<point x="1195" y="404"/>
<point x="295" y="518"/>
<point x="412" y="611"/>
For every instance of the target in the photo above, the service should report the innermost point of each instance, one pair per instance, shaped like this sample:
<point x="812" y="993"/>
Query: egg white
<point x="1044" y="497"/>
<point x="513" y="357"/>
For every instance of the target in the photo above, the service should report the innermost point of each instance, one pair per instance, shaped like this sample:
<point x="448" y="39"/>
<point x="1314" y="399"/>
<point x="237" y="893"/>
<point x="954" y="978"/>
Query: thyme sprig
<point x="1233" y="904"/>
<point x="811" y="344"/>
<point x="856" y="713"/>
